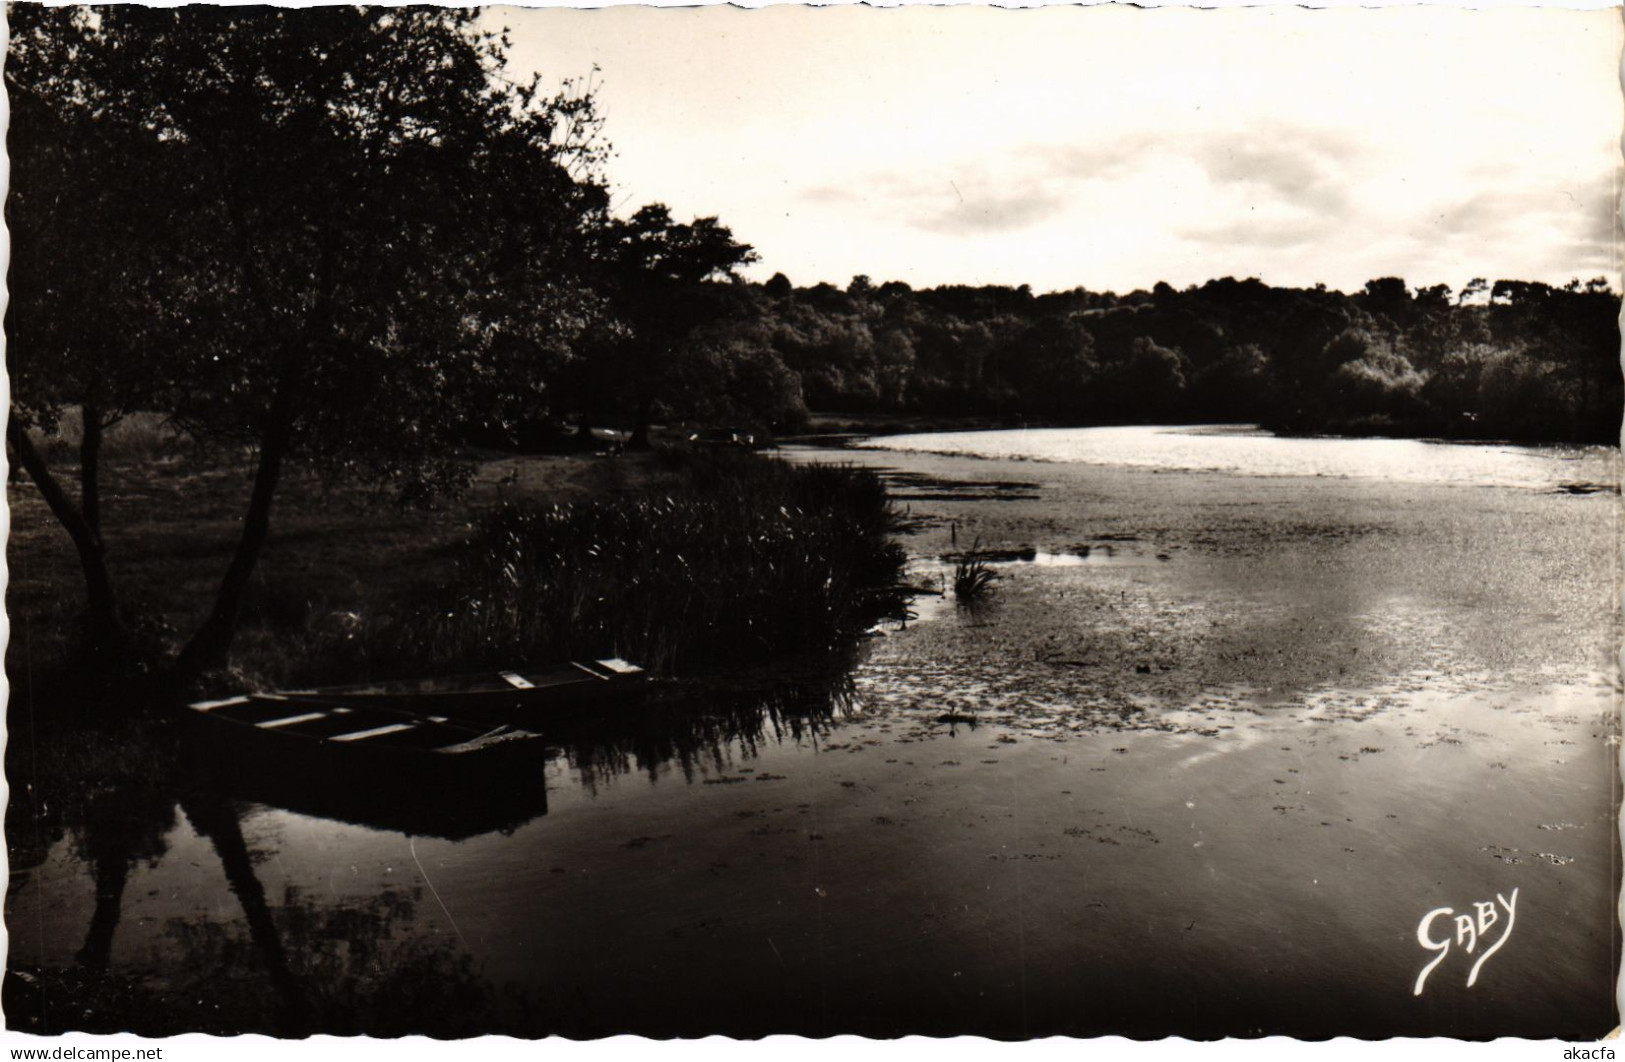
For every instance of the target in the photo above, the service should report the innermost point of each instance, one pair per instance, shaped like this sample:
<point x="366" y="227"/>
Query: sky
<point x="1114" y="147"/>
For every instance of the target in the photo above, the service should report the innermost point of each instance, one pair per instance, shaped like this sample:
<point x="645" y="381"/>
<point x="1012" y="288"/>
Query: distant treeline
<point x="1515" y="360"/>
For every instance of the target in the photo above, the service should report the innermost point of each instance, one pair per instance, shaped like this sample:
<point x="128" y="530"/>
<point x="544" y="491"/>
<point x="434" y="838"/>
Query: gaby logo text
<point x="1470" y="931"/>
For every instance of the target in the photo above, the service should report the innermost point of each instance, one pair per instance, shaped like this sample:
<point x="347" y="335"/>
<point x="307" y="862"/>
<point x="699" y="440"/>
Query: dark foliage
<point x="1517" y="360"/>
<point x="336" y="237"/>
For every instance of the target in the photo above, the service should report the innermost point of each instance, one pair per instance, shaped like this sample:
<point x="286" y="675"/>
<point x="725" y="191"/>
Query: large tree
<point x="102" y="297"/>
<point x="380" y="246"/>
<point x="656" y="271"/>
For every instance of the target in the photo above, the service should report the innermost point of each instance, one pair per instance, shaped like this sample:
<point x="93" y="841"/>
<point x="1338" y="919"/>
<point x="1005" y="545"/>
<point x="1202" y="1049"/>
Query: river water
<point x="1240" y="725"/>
<point x="1255" y="452"/>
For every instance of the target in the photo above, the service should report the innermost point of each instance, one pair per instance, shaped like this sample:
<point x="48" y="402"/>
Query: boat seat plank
<point x="326" y="722"/>
<point x="426" y="738"/>
<point x="209" y="706"/>
<point x="291" y="720"/>
<point x="374" y="732"/>
<point x="256" y="710"/>
<point x="619" y="666"/>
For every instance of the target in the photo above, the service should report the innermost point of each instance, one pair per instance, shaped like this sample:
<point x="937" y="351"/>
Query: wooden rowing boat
<point x="526" y="696"/>
<point x="374" y="766"/>
<point x="356" y="731"/>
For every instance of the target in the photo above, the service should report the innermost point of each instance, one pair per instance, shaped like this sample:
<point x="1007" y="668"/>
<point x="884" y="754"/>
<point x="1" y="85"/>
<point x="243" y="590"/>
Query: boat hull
<point x="535" y="699"/>
<point x="365" y="739"/>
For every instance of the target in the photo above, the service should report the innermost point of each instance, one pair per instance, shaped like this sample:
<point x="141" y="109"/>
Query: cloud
<point x="1284" y="173"/>
<point x="1296" y="202"/>
<point x="995" y="210"/>
<point x="1274" y="232"/>
<point x="1037" y="183"/>
<point x="1099" y="160"/>
<point x="828" y="194"/>
<point x="1578" y="226"/>
<point x="1588" y="257"/>
<point x="1589" y="212"/>
<point x="964" y="200"/>
<point x="1274" y="187"/>
<point x="1298" y="168"/>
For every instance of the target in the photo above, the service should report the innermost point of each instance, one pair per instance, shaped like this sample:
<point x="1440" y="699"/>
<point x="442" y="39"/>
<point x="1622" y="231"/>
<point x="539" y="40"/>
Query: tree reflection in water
<point x="218" y="820"/>
<point x="361" y="966"/>
<point x="106" y="784"/>
<point x="345" y="969"/>
<point x="118" y="829"/>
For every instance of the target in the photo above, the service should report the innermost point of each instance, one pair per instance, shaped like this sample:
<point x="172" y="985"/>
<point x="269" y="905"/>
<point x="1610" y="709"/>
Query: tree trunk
<point x="100" y="602"/>
<point x="112" y="871"/>
<point x="90" y="450"/>
<point x="645" y="396"/>
<point x="640" y="428"/>
<point x="211" y="643"/>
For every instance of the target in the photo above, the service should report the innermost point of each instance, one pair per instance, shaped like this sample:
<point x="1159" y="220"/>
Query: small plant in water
<point x="972" y="579"/>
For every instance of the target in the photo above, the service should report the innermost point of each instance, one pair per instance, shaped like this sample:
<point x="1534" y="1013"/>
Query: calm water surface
<point x="1255" y="452"/>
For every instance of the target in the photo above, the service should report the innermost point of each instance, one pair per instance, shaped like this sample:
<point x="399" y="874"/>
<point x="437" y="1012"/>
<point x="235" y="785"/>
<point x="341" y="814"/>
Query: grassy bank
<point x="337" y="554"/>
<point x="680" y="558"/>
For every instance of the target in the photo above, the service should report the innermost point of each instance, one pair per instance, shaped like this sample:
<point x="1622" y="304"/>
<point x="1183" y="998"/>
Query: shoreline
<point x="829" y="426"/>
<point x="1252" y="453"/>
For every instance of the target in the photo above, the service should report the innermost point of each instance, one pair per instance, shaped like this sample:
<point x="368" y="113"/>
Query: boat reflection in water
<point x="449" y="806"/>
<point x="294" y="896"/>
<point x="381" y="768"/>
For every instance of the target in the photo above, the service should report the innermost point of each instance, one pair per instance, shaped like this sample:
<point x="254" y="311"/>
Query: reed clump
<point x="750" y="560"/>
<point x="973" y="580"/>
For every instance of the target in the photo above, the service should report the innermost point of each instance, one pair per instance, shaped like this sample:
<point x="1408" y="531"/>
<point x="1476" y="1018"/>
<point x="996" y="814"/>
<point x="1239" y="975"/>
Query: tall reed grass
<point x="752" y="559"/>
